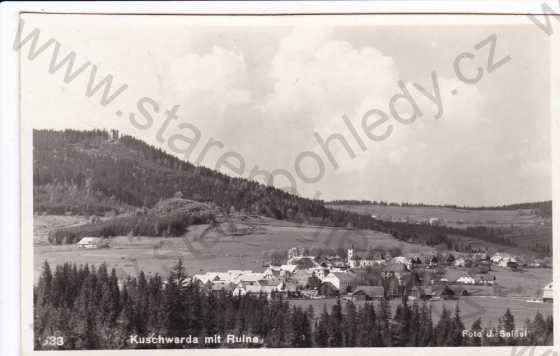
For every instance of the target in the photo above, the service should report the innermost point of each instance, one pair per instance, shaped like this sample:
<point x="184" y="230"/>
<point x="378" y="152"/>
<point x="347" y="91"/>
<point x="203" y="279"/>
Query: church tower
<point x="350" y="255"/>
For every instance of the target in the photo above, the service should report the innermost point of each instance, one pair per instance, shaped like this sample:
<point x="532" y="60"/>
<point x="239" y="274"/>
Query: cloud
<point x="308" y="83"/>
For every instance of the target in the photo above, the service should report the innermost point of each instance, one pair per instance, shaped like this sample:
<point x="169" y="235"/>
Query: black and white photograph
<point x="286" y="181"/>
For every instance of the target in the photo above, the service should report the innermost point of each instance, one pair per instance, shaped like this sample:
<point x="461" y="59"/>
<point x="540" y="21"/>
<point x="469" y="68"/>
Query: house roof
<point x="289" y="268"/>
<point x="269" y="282"/>
<point x="342" y="276"/>
<point x="89" y="240"/>
<point x="251" y="276"/>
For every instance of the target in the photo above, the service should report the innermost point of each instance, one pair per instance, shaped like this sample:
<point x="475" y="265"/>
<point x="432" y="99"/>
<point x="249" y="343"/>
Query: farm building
<point x="466" y="279"/>
<point x="343" y="281"/>
<point x="93" y="242"/>
<point x="231" y="276"/>
<point x="355" y="261"/>
<point x="278" y="272"/>
<point x="368" y="293"/>
<point x="248" y="277"/>
<point x="548" y="293"/>
<point x="503" y="259"/>
<point x="485" y="279"/>
<point x="434" y="221"/>
<point x="460" y="262"/>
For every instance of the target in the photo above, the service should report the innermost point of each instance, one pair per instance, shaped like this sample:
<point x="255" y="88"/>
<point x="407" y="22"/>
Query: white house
<point x="272" y="272"/>
<point x="460" y="262"/>
<point x="502" y="259"/>
<point x="288" y="268"/>
<point x="93" y="242"/>
<point x="248" y="276"/>
<point x="548" y="293"/>
<point x="403" y="260"/>
<point x="366" y="262"/>
<point x="466" y="279"/>
<point x="341" y="280"/>
<point x="434" y="221"/>
<point x="231" y="276"/>
<point x="355" y="261"/>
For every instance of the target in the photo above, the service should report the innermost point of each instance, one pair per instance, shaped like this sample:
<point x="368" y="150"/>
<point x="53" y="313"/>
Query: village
<point x="380" y="276"/>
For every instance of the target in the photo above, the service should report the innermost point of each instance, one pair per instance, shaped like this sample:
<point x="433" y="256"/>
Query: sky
<point x="271" y="91"/>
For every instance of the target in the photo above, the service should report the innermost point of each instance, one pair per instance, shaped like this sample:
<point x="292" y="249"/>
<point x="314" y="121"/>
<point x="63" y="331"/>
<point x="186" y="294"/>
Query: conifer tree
<point x="322" y="334"/>
<point x="457" y="327"/>
<point x="349" y="325"/>
<point x="476" y="327"/>
<point x="443" y="328"/>
<point x="336" y="320"/>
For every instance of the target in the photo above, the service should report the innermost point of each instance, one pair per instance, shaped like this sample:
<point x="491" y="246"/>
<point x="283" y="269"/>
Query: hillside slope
<point x="92" y="172"/>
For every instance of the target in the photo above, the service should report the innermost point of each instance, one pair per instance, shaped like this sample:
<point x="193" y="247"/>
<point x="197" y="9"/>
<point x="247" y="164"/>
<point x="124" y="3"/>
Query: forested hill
<point x="90" y="172"/>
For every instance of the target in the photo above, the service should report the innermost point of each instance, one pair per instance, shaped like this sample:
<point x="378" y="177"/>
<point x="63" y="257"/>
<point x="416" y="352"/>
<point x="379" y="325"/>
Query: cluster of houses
<point x="305" y="275"/>
<point x="504" y="260"/>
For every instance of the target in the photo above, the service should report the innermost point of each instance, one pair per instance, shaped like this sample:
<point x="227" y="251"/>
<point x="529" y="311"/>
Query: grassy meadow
<point x="235" y="244"/>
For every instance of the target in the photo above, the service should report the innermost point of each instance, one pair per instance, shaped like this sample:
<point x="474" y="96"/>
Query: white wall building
<point x="548" y="293"/>
<point x="341" y="280"/>
<point x="93" y="242"/>
<point x="466" y="279"/>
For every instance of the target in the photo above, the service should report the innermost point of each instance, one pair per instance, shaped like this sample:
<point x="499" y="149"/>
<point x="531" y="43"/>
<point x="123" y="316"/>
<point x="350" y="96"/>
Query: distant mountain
<point x="544" y="207"/>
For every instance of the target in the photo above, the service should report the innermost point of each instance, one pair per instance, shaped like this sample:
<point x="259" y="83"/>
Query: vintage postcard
<point x="251" y="181"/>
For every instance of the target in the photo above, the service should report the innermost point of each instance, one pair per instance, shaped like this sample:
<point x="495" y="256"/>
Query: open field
<point x="489" y="309"/>
<point x="522" y="226"/>
<point x="523" y="283"/>
<point x="454" y="217"/>
<point x="43" y="224"/>
<point x="203" y="248"/>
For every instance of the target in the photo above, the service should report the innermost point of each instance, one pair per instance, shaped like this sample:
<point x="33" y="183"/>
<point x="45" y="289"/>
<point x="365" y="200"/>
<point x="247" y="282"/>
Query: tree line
<point x="141" y="225"/>
<point x="90" y="308"/>
<point x="543" y="208"/>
